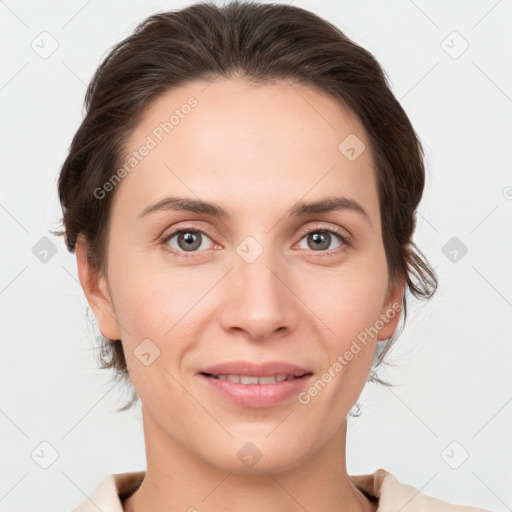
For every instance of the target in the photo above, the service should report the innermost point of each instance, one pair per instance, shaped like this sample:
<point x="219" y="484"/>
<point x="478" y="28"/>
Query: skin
<point x="255" y="150"/>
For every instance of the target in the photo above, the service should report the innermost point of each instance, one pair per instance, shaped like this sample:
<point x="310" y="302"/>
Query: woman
<point x="241" y="196"/>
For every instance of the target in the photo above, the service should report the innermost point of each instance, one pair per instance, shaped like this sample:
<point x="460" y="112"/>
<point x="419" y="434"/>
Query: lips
<point x="255" y="385"/>
<point x="256" y="395"/>
<point x="240" y="369"/>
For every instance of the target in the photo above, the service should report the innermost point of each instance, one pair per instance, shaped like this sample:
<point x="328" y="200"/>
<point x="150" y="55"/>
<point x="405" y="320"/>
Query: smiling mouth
<point x="252" y="379"/>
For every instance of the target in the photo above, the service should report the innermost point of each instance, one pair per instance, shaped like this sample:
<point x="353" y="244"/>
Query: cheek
<point x="153" y="303"/>
<point x="150" y="297"/>
<point x="350" y="353"/>
<point x="353" y="346"/>
<point x="349" y="299"/>
<point x="350" y="304"/>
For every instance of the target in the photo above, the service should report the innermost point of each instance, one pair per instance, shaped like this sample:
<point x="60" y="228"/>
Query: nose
<point x="257" y="299"/>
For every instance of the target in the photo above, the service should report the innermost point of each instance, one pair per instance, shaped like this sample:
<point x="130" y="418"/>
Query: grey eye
<point x="320" y="240"/>
<point x="187" y="240"/>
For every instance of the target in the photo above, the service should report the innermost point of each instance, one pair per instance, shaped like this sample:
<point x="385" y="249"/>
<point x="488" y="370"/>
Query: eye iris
<point x="320" y="236"/>
<point x="192" y="240"/>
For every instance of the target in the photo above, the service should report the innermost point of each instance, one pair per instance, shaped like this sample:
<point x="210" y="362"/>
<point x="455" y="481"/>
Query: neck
<point x="177" y="479"/>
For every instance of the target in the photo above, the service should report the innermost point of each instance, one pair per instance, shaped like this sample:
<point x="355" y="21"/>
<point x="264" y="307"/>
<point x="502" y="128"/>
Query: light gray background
<point x="453" y="359"/>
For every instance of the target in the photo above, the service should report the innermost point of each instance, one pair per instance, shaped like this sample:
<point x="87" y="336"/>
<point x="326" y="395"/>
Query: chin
<point x="259" y="453"/>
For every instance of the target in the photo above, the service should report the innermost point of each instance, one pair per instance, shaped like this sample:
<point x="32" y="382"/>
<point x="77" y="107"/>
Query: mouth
<point x="253" y="385"/>
<point x="255" y="379"/>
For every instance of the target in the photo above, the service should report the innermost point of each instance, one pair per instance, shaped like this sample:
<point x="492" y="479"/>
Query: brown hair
<point x="258" y="42"/>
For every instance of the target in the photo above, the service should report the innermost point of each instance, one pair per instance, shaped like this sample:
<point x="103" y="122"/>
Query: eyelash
<point x="345" y="239"/>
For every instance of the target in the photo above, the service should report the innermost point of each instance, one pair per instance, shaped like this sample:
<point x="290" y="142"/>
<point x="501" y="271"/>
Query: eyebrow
<point x="300" y="209"/>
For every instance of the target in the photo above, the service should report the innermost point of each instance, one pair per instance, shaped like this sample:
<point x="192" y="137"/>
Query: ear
<point x="97" y="293"/>
<point x="391" y="309"/>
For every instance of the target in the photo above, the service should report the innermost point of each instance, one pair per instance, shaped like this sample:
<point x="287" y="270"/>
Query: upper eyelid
<point x="344" y="232"/>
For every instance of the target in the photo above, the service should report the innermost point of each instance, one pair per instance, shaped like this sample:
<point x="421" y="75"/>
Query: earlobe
<point x="97" y="293"/>
<point x="391" y="311"/>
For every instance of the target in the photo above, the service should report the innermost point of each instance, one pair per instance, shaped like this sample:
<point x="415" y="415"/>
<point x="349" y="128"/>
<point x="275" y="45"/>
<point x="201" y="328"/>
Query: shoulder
<point x="394" y="495"/>
<point x="108" y="494"/>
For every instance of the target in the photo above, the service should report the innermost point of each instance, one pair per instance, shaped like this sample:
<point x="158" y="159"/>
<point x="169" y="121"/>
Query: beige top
<point x="381" y="486"/>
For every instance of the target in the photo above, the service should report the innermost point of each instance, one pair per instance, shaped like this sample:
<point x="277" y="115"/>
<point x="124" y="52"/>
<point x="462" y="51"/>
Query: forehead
<point x="248" y="142"/>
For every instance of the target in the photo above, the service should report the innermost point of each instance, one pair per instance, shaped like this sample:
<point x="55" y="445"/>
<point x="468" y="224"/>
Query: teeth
<point x="267" y="380"/>
<point x="245" y="379"/>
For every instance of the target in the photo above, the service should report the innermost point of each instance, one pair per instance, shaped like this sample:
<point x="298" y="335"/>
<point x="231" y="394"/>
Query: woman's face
<point x="253" y="285"/>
